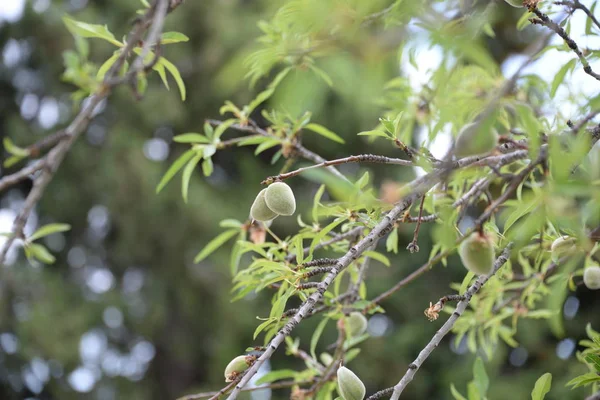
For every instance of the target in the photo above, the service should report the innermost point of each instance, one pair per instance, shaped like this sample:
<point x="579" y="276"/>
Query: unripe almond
<point x="236" y="367"/>
<point x="280" y="198"/>
<point x="515" y="3"/>
<point x="355" y="324"/>
<point x="350" y="386"/>
<point x="477" y="253"/>
<point x="563" y="246"/>
<point x="472" y="140"/>
<point x="326" y="359"/>
<point x="591" y="277"/>
<point x="259" y="210"/>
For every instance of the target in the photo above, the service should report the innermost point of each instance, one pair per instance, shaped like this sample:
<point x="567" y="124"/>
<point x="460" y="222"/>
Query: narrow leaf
<point x="175" y="167"/>
<point x="214" y="244"/>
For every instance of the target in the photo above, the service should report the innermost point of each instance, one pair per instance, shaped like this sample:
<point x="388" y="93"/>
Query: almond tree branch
<point x="10" y="180"/>
<point x="154" y="17"/>
<point x="502" y="160"/>
<point x="416" y="189"/>
<point x="445" y="329"/>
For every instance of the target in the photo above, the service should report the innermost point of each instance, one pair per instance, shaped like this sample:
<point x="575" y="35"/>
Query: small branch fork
<point x="445" y="329"/>
<point x="62" y="141"/>
<point x="543" y="19"/>
<point x="576" y="5"/>
<point x="413" y="247"/>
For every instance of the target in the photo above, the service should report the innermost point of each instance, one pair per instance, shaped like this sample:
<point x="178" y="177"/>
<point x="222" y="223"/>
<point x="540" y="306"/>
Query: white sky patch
<point x="11" y="10"/>
<point x="427" y="58"/>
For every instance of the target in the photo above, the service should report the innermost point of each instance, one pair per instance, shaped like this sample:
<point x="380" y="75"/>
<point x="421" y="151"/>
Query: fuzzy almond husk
<point x="355" y="324"/>
<point x="350" y="386"/>
<point x="591" y="277"/>
<point x="280" y="198"/>
<point x="260" y="211"/>
<point x="236" y="367"/>
<point x="477" y="253"/>
<point x="563" y="246"/>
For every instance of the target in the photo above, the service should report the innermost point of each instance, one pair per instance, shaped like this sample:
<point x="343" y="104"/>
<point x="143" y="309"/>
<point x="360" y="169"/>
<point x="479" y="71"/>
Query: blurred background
<point x="124" y="313"/>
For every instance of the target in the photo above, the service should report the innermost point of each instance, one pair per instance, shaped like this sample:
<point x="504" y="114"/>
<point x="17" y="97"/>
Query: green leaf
<point x="260" y="98"/>
<point x="266" y="145"/>
<point x="322" y="74"/>
<point x="316" y="336"/>
<point x="106" y="65"/>
<point x="321" y="130"/>
<point x="48" y="230"/>
<point x="187" y="174"/>
<point x="262" y="326"/>
<point x="480" y="377"/>
<point x="12" y="160"/>
<point x="174" y="168"/>
<point x="276" y="375"/>
<point x="41" y="253"/>
<point x="173" y="37"/>
<point x="14" y="149"/>
<point x="584" y="380"/>
<point x="473" y="392"/>
<point x="542" y="386"/>
<point x="279" y="305"/>
<point x="214" y="244"/>
<point x="222" y="128"/>
<point x="176" y="75"/>
<point x="378" y="256"/>
<point x="90" y="30"/>
<point x="191" y="138"/>
<point x="162" y="73"/>
<point x="207" y="167"/>
<point x="455" y="393"/>
<point x="594" y="359"/>
<point x="560" y="76"/>
<point x="391" y="243"/>
<point x="374" y="132"/>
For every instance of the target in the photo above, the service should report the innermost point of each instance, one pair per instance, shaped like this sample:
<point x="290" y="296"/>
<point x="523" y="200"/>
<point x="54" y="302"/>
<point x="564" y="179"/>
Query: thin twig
<point x="364" y="158"/>
<point x="302" y="151"/>
<point x="445" y="329"/>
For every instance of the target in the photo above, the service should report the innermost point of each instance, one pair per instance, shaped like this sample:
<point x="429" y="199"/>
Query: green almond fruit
<point x="563" y="246"/>
<point x="591" y="278"/>
<point x="472" y="140"/>
<point x="326" y="359"/>
<point x="355" y="324"/>
<point x="477" y="254"/>
<point x="350" y="386"/>
<point x="259" y="210"/>
<point x="236" y="367"/>
<point x="280" y="198"/>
